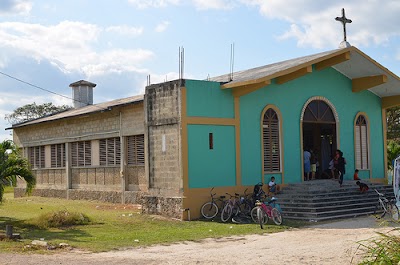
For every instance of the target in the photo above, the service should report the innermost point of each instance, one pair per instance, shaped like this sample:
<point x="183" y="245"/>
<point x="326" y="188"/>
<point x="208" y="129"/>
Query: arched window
<point x="271" y="141"/>
<point x="361" y="143"/>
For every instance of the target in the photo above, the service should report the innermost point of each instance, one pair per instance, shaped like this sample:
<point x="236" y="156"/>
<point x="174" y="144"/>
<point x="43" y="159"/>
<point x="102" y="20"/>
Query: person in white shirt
<point x="273" y="187"/>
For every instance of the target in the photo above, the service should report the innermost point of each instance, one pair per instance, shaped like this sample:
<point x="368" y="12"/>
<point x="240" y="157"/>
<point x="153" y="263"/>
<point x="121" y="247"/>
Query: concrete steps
<point x="320" y="200"/>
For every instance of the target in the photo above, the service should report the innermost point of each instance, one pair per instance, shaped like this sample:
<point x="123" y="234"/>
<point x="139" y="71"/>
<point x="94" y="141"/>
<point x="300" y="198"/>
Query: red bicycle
<point x="263" y="212"/>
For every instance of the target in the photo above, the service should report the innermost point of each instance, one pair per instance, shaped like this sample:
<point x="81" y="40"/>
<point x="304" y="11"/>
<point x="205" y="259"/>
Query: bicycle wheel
<point x="393" y="210"/>
<point x="209" y="210"/>
<point x="276" y="216"/>
<point x="260" y="217"/>
<point x="254" y="216"/>
<point x="226" y="213"/>
<point x="245" y="208"/>
<point x="379" y="210"/>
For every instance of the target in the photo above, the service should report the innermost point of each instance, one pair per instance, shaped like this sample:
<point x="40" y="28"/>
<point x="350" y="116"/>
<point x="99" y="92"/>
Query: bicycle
<point x="264" y="211"/>
<point x="246" y="203"/>
<point x="210" y="209"/>
<point x="386" y="206"/>
<point x="232" y="207"/>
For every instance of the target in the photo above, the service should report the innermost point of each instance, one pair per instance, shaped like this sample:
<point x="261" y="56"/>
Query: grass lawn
<point x="112" y="226"/>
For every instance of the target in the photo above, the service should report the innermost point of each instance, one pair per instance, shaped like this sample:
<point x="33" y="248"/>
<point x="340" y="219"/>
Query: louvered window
<point x="36" y="156"/>
<point x="361" y="143"/>
<point x="271" y="142"/>
<point x="81" y="154"/>
<point x="136" y="149"/>
<point x="57" y="155"/>
<point x="110" y="152"/>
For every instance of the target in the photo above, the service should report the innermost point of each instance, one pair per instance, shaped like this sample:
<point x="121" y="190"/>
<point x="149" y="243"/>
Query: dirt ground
<point x="328" y="243"/>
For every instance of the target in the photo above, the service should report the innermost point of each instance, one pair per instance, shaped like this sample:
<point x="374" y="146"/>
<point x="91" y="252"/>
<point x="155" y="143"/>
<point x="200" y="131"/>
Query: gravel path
<point x="329" y="243"/>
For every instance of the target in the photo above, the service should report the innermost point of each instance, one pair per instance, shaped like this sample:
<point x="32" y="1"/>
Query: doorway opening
<point x="319" y="135"/>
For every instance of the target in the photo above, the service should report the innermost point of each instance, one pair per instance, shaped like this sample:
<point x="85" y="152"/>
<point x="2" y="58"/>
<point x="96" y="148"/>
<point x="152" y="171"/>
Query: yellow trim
<point x="333" y="61"/>
<point x="246" y="83"/>
<point x="366" y="82"/>
<point x="384" y="127"/>
<point x="368" y="143"/>
<point x="276" y="109"/>
<point x="185" y="150"/>
<point x="389" y="102"/>
<point x="293" y="69"/>
<point x="293" y="75"/>
<point x="210" y="121"/>
<point x="246" y="89"/>
<point x="237" y="140"/>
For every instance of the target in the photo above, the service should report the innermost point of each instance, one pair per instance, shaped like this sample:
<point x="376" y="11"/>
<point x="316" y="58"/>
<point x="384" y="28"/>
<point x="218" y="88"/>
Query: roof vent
<point x="82" y="93"/>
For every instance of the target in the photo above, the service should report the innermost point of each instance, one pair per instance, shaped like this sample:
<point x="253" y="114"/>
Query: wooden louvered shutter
<point x="88" y="153"/>
<point x="110" y="151"/>
<point x="361" y="143"/>
<point x="103" y="152"/>
<point x="136" y="150"/>
<point x="271" y="141"/>
<point x="57" y="155"/>
<point x="74" y="154"/>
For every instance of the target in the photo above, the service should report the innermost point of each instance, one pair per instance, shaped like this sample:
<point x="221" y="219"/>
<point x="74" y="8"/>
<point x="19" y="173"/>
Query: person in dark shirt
<point x="363" y="187"/>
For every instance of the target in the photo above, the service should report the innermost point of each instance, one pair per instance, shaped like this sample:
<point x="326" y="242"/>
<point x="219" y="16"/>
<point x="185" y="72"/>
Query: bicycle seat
<point x="222" y="197"/>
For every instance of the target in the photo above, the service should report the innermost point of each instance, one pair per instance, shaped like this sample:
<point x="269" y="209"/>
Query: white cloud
<point x="162" y="26"/>
<point x="214" y="4"/>
<point x="15" y="6"/>
<point x="71" y="46"/>
<point x="126" y="30"/>
<point x="312" y="22"/>
<point x="142" y="4"/>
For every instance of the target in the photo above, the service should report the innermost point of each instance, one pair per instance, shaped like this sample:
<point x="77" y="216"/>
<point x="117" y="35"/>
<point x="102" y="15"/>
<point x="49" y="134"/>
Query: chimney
<point x="82" y="93"/>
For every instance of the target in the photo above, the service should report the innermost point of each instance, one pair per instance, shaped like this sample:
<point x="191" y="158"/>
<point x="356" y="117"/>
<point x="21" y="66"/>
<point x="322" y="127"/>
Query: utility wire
<point x="46" y="90"/>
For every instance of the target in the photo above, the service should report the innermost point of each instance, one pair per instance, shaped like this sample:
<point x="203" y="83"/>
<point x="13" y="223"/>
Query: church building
<point x="167" y="148"/>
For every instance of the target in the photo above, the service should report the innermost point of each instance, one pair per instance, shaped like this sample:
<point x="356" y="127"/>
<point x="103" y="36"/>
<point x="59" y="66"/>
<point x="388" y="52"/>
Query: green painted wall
<point x="208" y="168"/>
<point x="211" y="167"/>
<point x="207" y="99"/>
<point x="290" y="98"/>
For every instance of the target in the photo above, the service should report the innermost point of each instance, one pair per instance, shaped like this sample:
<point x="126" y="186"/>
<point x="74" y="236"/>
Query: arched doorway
<point x="319" y="132"/>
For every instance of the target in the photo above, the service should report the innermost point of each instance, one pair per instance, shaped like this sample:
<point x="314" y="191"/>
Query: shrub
<point x="383" y="250"/>
<point x="62" y="218"/>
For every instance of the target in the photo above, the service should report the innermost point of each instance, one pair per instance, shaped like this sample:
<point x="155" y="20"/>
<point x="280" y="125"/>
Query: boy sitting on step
<point x="363" y="187"/>
<point x="273" y="187"/>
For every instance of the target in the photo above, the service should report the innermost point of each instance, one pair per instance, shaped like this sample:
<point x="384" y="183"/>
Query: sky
<point x="117" y="44"/>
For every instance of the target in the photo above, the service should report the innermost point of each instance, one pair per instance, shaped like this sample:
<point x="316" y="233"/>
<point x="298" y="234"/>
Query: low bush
<point x="385" y="249"/>
<point x="62" y="218"/>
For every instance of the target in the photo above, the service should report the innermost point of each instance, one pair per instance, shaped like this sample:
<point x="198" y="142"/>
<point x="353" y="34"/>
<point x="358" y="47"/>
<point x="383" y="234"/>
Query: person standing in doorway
<point x="341" y="166"/>
<point x="314" y="162"/>
<point x="307" y="164"/>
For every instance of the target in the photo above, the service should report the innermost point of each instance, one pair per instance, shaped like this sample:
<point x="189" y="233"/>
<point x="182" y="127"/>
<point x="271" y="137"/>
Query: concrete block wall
<point x="50" y="178"/>
<point x="127" y="120"/>
<point x="163" y="121"/>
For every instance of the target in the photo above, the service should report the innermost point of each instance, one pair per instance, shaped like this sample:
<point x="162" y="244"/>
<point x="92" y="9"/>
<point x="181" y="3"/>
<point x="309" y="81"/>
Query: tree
<point x="13" y="166"/>
<point x="32" y="111"/>
<point x="393" y="123"/>
<point x="393" y="151"/>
